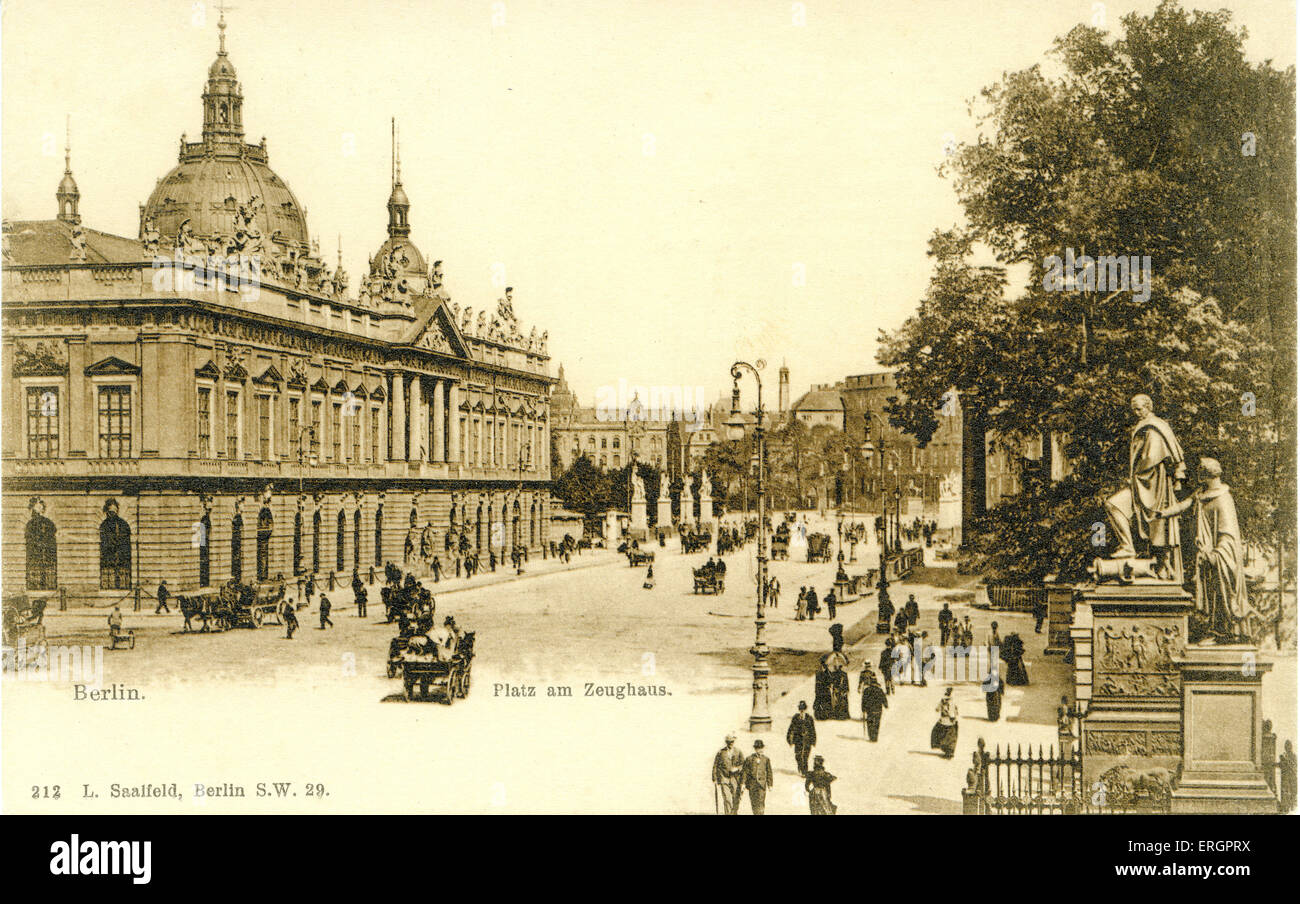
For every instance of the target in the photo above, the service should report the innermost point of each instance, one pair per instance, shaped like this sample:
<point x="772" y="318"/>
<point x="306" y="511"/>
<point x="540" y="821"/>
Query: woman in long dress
<point x="944" y="734"/>
<point x="818" y="785"/>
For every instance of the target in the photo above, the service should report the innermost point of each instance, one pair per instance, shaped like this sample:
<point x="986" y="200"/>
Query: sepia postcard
<point x="718" y="407"/>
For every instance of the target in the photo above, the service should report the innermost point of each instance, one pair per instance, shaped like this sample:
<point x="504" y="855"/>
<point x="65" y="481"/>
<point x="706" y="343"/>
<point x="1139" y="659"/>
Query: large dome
<point x="222" y="173"/>
<point x="208" y="188"/>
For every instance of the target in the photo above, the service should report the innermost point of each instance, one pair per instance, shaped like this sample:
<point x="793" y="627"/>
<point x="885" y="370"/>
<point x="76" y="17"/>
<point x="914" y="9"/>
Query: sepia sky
<point x="651" y="175"/>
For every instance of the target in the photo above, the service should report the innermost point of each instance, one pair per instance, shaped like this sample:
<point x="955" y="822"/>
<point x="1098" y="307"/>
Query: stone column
<point x="419" y="420"/>
<point x="439" y="422"/>
<point x="398" y="414"/>
<point x="453" y="421"/>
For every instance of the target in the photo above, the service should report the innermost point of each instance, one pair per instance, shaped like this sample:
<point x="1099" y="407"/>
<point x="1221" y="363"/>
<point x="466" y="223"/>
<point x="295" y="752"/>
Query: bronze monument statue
<point x="1156" y="470"/>
<point x="1221" y="599"/>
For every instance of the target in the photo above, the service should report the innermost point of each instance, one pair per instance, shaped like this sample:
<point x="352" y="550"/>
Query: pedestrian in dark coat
<point x="994" y="688"/>
<point x="325" y="612"/>
<point x="887" y="665"/>
<point x="290" y="620"/>
<point x="163" y="596"/>
<point x="802" y="735"/>
<point x="757" y="778"/>
<point x="361" y="602"/>
<point x="830" y="603"/>
<point x="874" y="702"/>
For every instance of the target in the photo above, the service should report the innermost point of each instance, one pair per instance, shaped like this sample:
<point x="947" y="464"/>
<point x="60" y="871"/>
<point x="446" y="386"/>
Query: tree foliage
<point x="1163" y="142"/>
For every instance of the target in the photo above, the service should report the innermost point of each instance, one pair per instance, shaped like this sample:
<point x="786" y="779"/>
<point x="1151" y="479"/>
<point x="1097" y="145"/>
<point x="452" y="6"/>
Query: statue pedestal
<point x="686" y="507"/>
<point x="638" y="527"/>
<point x="1223" y="767"/>
<point x="1060" y="615"/>
<point x="1127" y="675"/>
<point x="664" y="511"/>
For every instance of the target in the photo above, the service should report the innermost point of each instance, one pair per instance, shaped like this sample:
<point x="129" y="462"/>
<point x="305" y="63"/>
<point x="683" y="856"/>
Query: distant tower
<point x="783" y="391"/>
<point x="68" y="196"/>
<point x="399" y="205"/>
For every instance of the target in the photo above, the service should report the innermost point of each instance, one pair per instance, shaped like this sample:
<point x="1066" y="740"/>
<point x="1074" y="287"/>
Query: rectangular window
<point x="205" y="422"/>
<point x="232" y="424"/>
<point x="264" y="427"/>
<point x="115" y="422"/>
<point x="336" y="441"/>
<point x="358" y="413"/>
<point x="295" y="425"/>
<point x="374" y="434"/>
<point x="318" y="428"/>
<point x="42" y="422"/>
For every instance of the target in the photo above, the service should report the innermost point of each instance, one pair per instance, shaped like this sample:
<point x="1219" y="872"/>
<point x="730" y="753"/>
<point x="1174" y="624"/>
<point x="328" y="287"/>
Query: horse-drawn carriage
<point x="233" y="605"/>
<point x="696" y="541"/>
<point x="819" y="548"/>
<point x="781" y="542"/>
<point x="24" y="630"/>
<point x="430" y="670"/>
<point x="638" y="556"/>
<point x="709" y="580"/>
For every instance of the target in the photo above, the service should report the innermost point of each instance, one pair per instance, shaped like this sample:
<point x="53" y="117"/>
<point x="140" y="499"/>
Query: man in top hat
<point x="874" y="700"/>
<point x="802" y="735"/>
<point x="757" y="778"/>
<point x="727" y="767"/>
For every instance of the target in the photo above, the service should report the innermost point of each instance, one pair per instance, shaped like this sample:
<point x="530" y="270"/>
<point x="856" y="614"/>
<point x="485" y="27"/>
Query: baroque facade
<point x="209" y="399"/>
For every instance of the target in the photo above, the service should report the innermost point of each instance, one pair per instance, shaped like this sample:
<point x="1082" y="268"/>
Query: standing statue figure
<point x="706" y="485"/>
<point x="1156" y="470"/>
<point x="638" y="486"/>
<point x="1221" y="597"/>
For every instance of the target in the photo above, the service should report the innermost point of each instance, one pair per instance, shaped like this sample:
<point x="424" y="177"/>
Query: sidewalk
<point x="900" y="773"/>
<point x="342" y="592"/>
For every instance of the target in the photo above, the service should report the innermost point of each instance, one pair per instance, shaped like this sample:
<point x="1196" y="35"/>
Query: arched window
<point x="265" y="522"/>
<point x="339" y="540"/>
<point x="42" y="553"/>
<point x="114" y="550"/>
<point x="356" y="539"/>
<point x="297" y="543"/>
<point x="379" y="535"/>
<point x="205" y="550"/>
<point x="237" y="548"/>
<point x="315" y="541"/>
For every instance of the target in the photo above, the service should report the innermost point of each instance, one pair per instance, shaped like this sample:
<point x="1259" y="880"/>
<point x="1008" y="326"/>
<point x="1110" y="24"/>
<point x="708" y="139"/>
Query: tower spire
<point x="68" y="195"/>
<point x="399" y="205"/>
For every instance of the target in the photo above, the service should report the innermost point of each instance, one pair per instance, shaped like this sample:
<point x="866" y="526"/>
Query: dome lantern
<point x="223" y="102"/>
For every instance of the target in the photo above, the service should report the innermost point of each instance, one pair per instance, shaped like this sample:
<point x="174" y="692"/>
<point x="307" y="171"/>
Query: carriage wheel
<point x="258" y="615"/>
<point x="409" y="690"/>
<point x="392" y="670"/>
<point x="464" y="683"/>
<point x="449" y="691"/>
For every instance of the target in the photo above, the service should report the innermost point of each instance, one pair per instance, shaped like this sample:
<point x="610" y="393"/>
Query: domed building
<point x="174" y="420"/>
<point x="223" y="193"/>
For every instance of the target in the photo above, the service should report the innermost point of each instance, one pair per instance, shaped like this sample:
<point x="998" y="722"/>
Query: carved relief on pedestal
<point x="1134" y="743"/>
<point x="1135" y="658"/>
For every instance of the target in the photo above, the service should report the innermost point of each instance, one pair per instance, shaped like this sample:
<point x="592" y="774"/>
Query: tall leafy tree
<point x="1166" y="143"/>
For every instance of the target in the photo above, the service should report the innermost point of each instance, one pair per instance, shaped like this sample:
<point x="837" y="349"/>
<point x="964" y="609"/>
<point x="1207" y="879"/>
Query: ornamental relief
<point x="1126" y="646"/>
<point x="1134" y="743"/>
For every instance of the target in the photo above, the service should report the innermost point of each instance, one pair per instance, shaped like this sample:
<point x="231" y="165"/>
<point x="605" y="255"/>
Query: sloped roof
<point x="33" y="242"/>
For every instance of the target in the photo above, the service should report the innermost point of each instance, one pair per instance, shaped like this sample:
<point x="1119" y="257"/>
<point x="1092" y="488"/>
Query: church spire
<point x="68" y="195"/>
<point x="399" y="205"/>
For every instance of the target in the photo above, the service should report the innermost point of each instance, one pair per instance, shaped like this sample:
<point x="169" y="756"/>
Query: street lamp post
<point x="760" y="718"/>
<point x="525" y="458"/>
